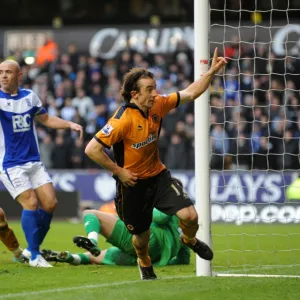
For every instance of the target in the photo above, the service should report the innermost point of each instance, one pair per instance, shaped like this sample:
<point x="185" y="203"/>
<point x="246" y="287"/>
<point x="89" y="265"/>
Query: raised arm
<point x="198" y="87"/>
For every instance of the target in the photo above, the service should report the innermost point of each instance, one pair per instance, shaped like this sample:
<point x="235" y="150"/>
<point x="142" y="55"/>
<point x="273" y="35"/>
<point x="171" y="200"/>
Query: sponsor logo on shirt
<point x="151" y="138"/>
<point x="107" y="129"/>
<point x="21" y="123"/>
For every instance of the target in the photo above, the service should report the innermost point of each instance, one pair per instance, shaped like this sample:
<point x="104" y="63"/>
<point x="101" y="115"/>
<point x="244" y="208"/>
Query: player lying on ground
<point x="165" y="247"/>
<point x="8" y="238"/>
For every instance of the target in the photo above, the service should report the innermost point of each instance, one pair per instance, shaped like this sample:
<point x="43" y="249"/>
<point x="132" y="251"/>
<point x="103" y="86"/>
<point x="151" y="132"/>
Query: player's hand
<point x="77" y="128"/>
<point x="218" y="62"/>
<point x="127" y="177"/>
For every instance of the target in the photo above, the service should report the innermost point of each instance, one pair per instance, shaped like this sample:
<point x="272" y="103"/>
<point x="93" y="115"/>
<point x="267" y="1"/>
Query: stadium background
<point x="239" y="197"/>
<point x="74" y="55"/>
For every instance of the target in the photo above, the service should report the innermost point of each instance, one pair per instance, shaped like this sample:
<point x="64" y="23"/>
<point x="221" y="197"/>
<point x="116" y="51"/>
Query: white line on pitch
<point x="256" y="268"/>
<point x="258" y="275"/>
<point x="89" y="286"/>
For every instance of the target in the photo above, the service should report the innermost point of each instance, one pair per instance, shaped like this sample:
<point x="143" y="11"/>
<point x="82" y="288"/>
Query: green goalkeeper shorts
<point x="123" y="252"/>
<point x="116" y="257"/>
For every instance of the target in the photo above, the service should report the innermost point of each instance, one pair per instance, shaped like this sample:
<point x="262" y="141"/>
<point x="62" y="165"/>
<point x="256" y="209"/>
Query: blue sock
<point x="30" y="228"/>
<point x="44" y="220"/>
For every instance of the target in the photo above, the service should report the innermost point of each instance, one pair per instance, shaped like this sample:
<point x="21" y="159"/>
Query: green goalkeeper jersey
<point x="166" y="230"/>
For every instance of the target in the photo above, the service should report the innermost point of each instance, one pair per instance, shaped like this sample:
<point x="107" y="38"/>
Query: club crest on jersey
<point x="155" y="118"/>
<point x="107" y="129"/>
<point x="151" y="138"/>
<point x="21" y="123"/>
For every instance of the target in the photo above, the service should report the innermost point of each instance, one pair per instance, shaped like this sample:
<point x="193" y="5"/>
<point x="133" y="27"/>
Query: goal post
<point x="201" y="60"/>
<point x="247" y="125"/>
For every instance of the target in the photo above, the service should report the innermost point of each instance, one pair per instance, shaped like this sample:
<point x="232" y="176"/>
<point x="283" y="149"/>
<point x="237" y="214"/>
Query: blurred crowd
<point x="86" y="90"/>
<point x="254" y="105"/>
<point x="255" y="110"/>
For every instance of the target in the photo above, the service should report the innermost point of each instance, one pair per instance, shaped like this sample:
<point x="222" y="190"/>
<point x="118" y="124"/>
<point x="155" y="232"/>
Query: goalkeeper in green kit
<point x="165" y="247"/>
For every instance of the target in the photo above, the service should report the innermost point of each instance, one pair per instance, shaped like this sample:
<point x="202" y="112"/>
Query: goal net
<point x="254" y="138"/>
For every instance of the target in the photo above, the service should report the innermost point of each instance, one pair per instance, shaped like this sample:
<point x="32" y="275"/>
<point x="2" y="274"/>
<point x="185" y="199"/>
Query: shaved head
<point x="12" y="63"/>
<point x="10" y="74"/>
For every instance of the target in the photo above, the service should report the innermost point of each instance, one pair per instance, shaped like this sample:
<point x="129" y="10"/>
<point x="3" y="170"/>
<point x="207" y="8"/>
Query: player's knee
<point x="192" y="218"/>
<point x="28" y="200"/>
<point x="50" y="206"/>
<point x="188" y="215"/>
<point x="30" y="203"/>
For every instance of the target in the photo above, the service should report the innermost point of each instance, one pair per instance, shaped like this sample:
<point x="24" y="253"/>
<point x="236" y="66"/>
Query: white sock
<point x="26" y="253"/>
<point x="93" y="236"/>
<point x="77" y="260"/>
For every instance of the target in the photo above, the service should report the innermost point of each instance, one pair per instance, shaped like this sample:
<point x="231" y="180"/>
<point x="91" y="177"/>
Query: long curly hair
<point x="130" y="82"/>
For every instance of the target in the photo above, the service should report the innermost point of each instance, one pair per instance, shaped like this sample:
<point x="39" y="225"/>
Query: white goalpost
<point x="247" y="130"/>
<point x="201" y="57"/>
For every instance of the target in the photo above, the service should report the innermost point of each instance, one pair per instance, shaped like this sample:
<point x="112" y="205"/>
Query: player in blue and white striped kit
<point x="21" y="170"/>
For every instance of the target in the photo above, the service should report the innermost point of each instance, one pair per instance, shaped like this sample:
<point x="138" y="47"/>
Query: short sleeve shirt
<point x="134" y="136"/>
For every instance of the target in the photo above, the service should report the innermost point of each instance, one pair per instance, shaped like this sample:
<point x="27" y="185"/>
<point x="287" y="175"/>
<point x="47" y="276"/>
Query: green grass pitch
<point x="251" y="248"/>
